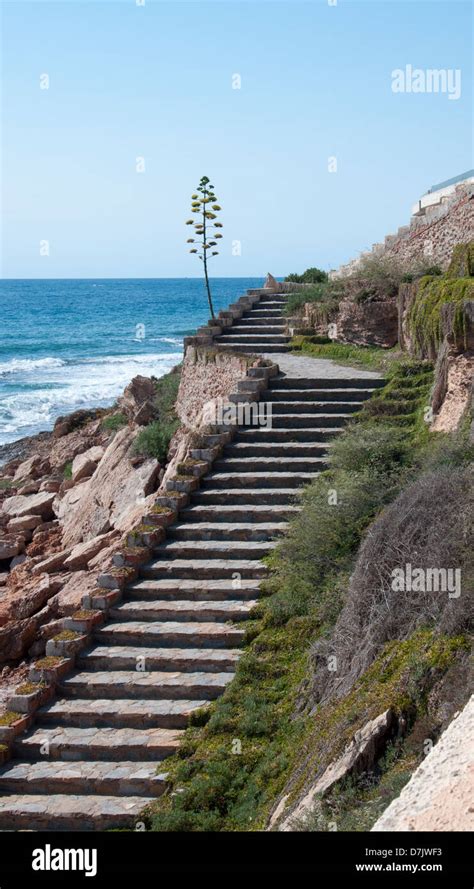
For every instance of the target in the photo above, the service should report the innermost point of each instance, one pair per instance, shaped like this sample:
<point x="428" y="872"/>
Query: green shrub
<point x="379" y="447"/>
<point x="153" y="440"/>
<point x="326" y="295"/>
<point x="166" y="393"/>
<point x="67" y="471"/>
<point x="310" y="276"/>
<point x="114" y="422"/>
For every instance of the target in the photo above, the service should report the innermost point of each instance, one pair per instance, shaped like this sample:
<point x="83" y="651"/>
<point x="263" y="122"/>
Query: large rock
<point x="26" y="595"/>
<point x="31" y="468"/>
<point x="85" y="464"/>
<point x="33" y="504"/>
<point x="72" y="422"/>
<point x="358" y="756"/>
<point x="368" y="323"/>
<point x="11" y="545"/>
<point x="69" y="597"/>
<point x="108" y="498"/>
<point x="439" y="795"/>
<point x="82" y="553"/>
<point x="24" y="523"/>
<point x="138" y="400"/>
<point x="51" y="563"/>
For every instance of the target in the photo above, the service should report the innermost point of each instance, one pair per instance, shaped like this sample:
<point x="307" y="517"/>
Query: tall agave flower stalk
<point x="205" y="207"/>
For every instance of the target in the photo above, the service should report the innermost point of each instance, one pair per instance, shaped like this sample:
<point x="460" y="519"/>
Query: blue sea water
<point x="69" y="344"/>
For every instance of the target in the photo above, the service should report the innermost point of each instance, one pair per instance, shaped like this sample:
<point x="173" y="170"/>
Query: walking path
<point x="95" y="756"/>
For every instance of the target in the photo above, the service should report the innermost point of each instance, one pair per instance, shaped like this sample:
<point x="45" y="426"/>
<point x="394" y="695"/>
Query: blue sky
<point x="155" y="81"/>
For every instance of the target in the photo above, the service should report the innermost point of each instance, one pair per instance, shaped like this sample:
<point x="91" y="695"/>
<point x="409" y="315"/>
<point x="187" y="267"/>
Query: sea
<point x="69" y="344"/>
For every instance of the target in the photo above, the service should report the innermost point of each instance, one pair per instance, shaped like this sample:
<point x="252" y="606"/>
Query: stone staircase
<point x="260" y="329"/>
<point x="95" y="754"/>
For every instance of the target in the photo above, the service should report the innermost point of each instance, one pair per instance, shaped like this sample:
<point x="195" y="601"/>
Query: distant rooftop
<point x="437" y="194"/>
<point x="455" y="179"/>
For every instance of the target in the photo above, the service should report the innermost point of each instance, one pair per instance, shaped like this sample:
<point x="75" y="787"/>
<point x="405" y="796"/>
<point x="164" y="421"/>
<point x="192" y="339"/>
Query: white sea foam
<point x="62" y="387"/>
<point x="18" y="365"/>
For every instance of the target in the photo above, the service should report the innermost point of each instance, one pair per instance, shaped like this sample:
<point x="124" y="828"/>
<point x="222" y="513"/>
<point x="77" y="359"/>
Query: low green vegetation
<point x="376" y="277"/>
<point x="153" y="440"/>
<point x="401" y="679"/>
<point x="5" y="484"/>
<point x="323" y="296"/>
<point x="9" y="717"/>
<point x="67" y="471"/>
<point x="114" y="422"/>
<point x="369" y="357"/>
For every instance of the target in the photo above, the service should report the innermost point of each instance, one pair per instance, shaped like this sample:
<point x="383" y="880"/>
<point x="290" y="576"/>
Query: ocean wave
<point x="68" y="386"/>
<point x="16" y="365"/>
<point x="131" y="359"/>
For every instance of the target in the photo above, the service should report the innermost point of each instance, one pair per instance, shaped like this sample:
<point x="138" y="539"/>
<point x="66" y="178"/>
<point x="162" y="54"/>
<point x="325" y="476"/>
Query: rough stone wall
<point x="431" y="236"/>
<point x="207" y="374"/>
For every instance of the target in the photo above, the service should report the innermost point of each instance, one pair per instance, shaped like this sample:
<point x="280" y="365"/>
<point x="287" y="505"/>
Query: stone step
<point x="244" y="330"/>
<point x="207" y="590"/>
<point x="97" y="777"/>
<point x="230" y="497"/>
<point x="119" y="712"/>
<point x="252" y="349"/>
<point x="276" y="449"/>
<point x="169" y="634"/>
<point x="266" y="311"/>
<point x="315" y="407"/>
<point x="214" y="549"/>
<point x="183" y="610"/>
<point x="272" y="515"/>
<point x="306" y="420"/>
<point x="260" y="322"/>
<point x="326" y="383"/>
<point x="255" y="480"/>
<point x="69" y="811"/>
<point x="250" y="466"/>
<point x="318" y="395"/>
<point x="254" y="338"/>
<point x="131" y="657"/>
<point x="204" y="686"/>
<point x="288" y="436"/>
<point x="212" y="569"/>
<point x="222" y="530"/>
<point x="112" y="744"/>
<point x="273" y="300"/>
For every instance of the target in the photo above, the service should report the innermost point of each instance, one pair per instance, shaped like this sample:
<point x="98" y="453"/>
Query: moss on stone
<point x="9" y="717"/>
<point x="425" y="314"/>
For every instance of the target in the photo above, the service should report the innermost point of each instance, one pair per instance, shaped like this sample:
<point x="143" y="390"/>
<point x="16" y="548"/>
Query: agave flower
<point x="216" y="207"/>
<point x="193" y="251"/>
<point x="218" y="236"/>
<point x="215" y="253"/>
<point x="190" y="241"/>
<point x="189" y="221"/>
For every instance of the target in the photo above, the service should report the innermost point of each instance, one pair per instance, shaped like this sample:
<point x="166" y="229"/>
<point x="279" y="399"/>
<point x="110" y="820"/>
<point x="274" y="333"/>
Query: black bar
<point x="126" y="855"/>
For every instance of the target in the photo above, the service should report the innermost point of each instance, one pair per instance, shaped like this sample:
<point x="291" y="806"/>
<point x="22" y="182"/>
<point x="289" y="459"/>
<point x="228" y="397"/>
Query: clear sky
<point x="156" y="81"/>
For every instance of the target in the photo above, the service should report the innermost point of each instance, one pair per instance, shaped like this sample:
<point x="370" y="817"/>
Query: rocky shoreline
<point x="67" y="497"/>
